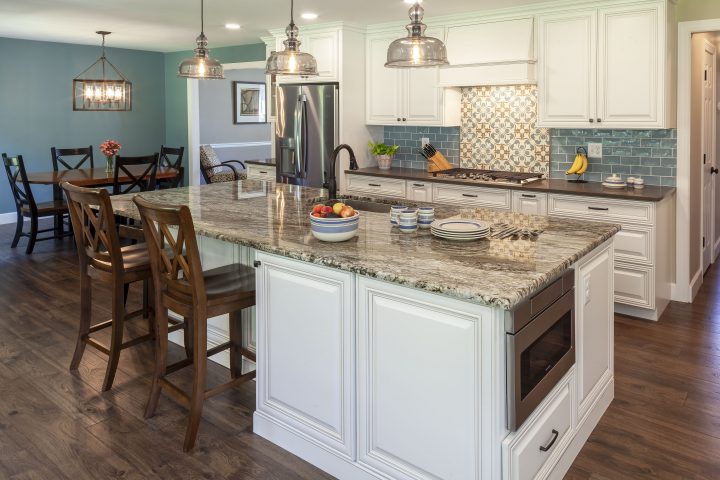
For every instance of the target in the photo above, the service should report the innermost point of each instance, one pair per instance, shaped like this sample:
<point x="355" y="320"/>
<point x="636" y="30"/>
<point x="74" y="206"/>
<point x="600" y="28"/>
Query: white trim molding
<point x="8" y="218"/>
<point x="240" y="145"/>
<point x="687" y="282"/>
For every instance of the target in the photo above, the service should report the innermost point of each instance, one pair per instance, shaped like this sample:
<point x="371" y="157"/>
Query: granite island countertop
<point x="650" y="193"/>
<point x="497" y="273"/>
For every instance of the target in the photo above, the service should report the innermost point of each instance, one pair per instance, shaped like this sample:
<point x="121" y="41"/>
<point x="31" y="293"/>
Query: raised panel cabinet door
<point x="324" y="47"/>
<point x="530" y="203"/>
<point x="384" y="99"/>
<point x="566" y="69"/>
<point x="594" y="328"/>
<point x="629" y="66"/>
<point x="423" y="97"/>
<point x="306" y="335"/>
<point x="419" y="191"/>
<point x="418" y="374"/>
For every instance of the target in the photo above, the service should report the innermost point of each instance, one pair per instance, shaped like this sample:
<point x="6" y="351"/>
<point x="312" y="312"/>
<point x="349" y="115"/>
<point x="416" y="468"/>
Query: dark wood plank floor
<point x="664" y="422"/>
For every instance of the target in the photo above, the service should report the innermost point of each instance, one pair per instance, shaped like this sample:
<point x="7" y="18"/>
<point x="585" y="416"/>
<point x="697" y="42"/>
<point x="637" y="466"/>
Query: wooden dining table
<point x="95" y="177"/>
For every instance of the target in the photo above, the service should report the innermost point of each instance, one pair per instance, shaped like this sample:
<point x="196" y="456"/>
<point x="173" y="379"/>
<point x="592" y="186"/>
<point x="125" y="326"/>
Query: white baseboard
<point x="8" y="218"/>
<point x="695" y="284"/>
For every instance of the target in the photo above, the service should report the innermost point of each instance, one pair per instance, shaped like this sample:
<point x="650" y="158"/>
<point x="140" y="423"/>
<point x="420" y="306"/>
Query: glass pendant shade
<point x="291" y="61"/>
<point x="416" y="50"/>
<point x="202" y="65"/>
<point x="102" y="87"/>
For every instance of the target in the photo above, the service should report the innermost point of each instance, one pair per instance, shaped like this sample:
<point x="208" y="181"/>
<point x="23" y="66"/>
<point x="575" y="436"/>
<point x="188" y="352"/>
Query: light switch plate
<point x="595" y="150"/>
<point x="424" y="141"/>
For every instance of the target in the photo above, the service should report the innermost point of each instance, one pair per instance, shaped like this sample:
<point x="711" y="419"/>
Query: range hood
<point x="491" y="53"/>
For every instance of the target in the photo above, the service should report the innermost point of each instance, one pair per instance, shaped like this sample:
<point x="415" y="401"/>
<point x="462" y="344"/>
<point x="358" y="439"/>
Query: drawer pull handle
<point x="418" y="185"/>
<point x="374" y="185"/>
<point x="264" y="173"/>
<point x="601" y="209"/>
<point x="525" y="195"/>
<point x="468" y="195"/>
<point x="552" y="442"/>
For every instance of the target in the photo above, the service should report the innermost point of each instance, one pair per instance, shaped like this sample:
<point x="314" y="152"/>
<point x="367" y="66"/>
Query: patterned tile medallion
<point x="498" y="130"/>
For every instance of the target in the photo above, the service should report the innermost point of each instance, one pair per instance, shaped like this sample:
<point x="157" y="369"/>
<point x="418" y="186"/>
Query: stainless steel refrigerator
<point x="306" y="132"/>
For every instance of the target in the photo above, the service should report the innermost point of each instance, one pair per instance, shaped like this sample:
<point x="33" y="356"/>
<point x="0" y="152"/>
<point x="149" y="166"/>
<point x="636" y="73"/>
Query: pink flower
<point x="110" y="148"/>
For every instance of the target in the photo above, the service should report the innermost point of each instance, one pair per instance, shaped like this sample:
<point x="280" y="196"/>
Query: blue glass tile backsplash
<point x="649" y="154"/>
<point x="445" y="139"/>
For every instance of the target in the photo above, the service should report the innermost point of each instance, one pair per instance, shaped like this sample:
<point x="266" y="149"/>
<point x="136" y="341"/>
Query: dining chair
<point x="142" y="182"/>
<point x="215" y="171"/>
<point x="60" y="160"/>
<point x="166" y="161"/>
<point x="181" y="285"/>
<point x="27" y="207"/>
<point x="103" y="258"/>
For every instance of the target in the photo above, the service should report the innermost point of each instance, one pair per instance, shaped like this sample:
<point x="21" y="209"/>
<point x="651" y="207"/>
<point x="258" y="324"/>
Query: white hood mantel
<point x="490" y="53"/>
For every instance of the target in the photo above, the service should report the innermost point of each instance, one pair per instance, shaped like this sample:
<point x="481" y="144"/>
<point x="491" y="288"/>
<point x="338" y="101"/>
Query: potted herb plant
<point x="383" y="153"/>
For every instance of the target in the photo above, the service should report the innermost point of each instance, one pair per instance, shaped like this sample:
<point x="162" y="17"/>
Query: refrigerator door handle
<point x="301" y="146"/>
<point x="305" y="134"/>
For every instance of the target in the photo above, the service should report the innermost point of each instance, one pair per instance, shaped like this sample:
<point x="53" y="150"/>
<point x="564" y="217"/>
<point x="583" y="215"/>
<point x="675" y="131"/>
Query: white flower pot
<point x="384" y="162"/>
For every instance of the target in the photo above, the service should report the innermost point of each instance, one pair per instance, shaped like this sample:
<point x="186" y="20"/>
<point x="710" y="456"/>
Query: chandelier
<point x="102" y="87"/>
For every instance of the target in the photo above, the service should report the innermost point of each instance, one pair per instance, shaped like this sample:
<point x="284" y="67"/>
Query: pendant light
<point x="416" y="50"/>
<point x="102" y="87"/>
<point x="291" y="61"/>
<point x="202" y="65"/>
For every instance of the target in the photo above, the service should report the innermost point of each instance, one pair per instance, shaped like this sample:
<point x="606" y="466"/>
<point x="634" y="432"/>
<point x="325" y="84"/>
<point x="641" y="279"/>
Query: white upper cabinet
<point x="629" y="54"/>
<point x="324" y="45"/>
<point x="567" y="69"/>
<point x="406" y="96"/>
<point x="606" y="68"/>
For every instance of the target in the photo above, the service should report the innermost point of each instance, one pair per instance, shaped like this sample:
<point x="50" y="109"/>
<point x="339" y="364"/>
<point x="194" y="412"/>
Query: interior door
<point x="708" y="152"/>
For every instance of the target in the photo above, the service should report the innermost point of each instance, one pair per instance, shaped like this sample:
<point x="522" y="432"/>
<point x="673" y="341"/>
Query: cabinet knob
<point x="599" y="120"/>
<point x="404" y="119"/>
<point x="592" y="120"/>
<point x="398" y="119"/>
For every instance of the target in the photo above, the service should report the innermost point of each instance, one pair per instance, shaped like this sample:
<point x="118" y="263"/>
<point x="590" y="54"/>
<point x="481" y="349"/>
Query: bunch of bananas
<point x="579" y="166"/>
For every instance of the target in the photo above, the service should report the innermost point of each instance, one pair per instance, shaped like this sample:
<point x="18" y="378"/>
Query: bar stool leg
<point x="188" y="336"/>
<point x="198" y="391"/>
<point x="161" y="348"/>
<point x="236" y="338"/>
<point x="85" y="318"/>
<point x="118" y="323"/>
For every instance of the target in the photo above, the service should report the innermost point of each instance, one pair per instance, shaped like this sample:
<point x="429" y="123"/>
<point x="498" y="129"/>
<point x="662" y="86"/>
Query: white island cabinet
<point x="373" y="380"/>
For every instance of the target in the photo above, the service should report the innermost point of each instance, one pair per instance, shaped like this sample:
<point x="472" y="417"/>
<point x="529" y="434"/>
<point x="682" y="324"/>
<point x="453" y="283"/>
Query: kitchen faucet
<point x="332" y="181"/>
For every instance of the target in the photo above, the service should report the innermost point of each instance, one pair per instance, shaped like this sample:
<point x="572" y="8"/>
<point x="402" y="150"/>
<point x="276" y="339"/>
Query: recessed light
<point x="232" y="26"/>
<point x="309" y="16"/>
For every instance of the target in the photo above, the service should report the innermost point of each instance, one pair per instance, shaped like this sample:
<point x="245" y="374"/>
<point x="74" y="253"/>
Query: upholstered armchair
<point x="215" y="171"/>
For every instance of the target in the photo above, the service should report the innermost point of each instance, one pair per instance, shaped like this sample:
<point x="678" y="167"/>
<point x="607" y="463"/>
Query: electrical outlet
<point x="595" y="150"/>
<point x="424" y="141"/>
<point x="587" y="291"/>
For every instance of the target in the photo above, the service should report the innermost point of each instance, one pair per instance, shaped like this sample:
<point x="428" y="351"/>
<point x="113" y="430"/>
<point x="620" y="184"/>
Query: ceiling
<point x="172" y="25"/>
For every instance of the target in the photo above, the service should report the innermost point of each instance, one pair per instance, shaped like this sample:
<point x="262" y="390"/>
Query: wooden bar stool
<point x="183" y="287"/>
<point x="102" y="256"/>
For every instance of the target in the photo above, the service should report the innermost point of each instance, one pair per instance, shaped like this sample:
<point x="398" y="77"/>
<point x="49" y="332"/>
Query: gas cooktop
<point x="489" y="176"/>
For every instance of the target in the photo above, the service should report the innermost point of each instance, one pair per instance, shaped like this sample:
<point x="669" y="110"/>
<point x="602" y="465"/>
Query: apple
<point x="326" y="210"/>
<point x="316" y="214"/>
<point x="317" y="208"/>
<point x="338" y="207"/>
<point x="347" y="212"/>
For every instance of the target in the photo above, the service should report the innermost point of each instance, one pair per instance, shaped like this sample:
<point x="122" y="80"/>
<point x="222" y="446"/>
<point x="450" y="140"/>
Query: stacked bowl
<point x="335" y="229"/>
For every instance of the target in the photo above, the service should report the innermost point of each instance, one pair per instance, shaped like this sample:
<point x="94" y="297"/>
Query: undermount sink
<point x="365" y="205"/>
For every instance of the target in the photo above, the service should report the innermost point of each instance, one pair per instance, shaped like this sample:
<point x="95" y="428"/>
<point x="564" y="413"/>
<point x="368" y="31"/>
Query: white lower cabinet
<point x="381" y="186"/>
<point x="529" y="203"/>
<point x="260" y="172"/>
<point x="419" y="191"/>
<point x="532" y="451"/>
<point x="634" y="285"/>
<point x="418" y="382"/>
<point x="306" y="343"/>
<point x="497" y="198"/>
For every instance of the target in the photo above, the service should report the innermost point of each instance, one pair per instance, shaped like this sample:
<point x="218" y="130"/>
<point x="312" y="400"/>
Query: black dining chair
<point x="27" y="207"/>
<point x="172" y="158"/>
<point x="60" y="158"/>
<point x="141" y="179"/>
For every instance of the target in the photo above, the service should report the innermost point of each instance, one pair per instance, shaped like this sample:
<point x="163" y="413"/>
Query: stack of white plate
<point x="459" y="229"/>
<point x="614" y="181"/>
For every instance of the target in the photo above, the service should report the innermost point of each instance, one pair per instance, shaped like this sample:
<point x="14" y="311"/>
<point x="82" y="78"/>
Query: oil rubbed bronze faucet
<point x="332" y="180"/>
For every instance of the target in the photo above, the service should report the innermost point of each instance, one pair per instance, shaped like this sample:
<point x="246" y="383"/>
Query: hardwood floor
<point x="664" y="422"/>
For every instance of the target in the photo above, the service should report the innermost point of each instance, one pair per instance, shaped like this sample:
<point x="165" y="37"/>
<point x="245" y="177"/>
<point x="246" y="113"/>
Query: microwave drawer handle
<point x="552" y="442"/>
<point x="600" y="209"/>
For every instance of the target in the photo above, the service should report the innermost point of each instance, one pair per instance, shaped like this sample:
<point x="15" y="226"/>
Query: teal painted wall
<point x="176" y="124"/>
<point x="36" y="105"/>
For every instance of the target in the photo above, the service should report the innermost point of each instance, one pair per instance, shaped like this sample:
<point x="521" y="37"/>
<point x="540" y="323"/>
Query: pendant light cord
<point x="202" y="16"/>
<point x="292" y="12"/>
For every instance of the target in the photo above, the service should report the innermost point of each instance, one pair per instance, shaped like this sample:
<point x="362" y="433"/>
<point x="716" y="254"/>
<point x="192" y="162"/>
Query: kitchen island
<point x="386" y="356"/>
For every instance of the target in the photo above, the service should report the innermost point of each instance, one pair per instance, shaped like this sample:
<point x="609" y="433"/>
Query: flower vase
<point x="109" y="163"/>
<point x="384" y="161"/>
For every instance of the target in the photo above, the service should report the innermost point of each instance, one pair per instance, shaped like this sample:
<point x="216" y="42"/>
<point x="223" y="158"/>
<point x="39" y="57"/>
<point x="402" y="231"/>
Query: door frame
<point x="193" y="109"/>
<point x="709" y="242"/>
<point x="687" y="283"/>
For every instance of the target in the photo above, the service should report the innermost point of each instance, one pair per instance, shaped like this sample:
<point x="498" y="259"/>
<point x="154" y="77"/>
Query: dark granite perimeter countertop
<point x="650" y="193"/>
<point x="275" y="219"/>
<point x="270" y="162"/>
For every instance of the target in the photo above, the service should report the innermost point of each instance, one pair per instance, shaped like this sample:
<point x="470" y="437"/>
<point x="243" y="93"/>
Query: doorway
<point x="707" y="150"/>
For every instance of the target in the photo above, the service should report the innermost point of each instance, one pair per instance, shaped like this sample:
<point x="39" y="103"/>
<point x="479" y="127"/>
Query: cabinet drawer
<point x="634" y="285"/>
<point x="635" y="244"/>
<point x="419" y="191"/>
<point x="261" y="171"/>
<point x="386" y="187"/>
<point x="499" y="198"/>
<point x="540" y="442"/>
<point x="601" y="209"/>
<point x="529" y="203"/>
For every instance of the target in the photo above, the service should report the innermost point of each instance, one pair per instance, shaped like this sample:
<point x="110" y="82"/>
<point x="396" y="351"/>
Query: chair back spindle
<point x="166" y="161"/>
<point x="59" y="158"/>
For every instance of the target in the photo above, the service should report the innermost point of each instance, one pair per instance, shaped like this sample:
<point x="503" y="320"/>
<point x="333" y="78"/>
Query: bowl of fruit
<point x="338" y="223"/>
